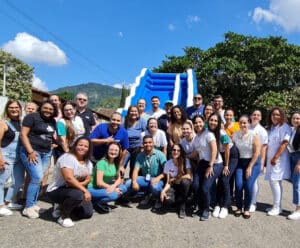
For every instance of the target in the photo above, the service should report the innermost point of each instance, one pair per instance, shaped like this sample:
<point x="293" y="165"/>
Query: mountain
<point x="100" y="96"/>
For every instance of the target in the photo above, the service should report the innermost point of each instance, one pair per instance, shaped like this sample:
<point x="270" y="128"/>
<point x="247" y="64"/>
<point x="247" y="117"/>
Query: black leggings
<point x="72" y="202"/>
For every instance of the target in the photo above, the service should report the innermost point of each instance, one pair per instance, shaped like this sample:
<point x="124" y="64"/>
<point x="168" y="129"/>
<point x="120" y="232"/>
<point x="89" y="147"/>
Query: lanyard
<point x="148" y="163"/>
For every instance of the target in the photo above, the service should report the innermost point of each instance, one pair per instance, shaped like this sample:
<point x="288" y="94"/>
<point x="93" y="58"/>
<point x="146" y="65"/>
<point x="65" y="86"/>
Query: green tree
<point x="66" y="95"/>
<point x="241" y="68"/>
<point x="18" y="77"/>
<point x="124" y="94"/>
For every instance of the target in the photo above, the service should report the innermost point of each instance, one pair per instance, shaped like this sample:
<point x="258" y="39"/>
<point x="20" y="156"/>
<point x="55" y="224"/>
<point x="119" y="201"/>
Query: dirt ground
<point x="133" y="227"/>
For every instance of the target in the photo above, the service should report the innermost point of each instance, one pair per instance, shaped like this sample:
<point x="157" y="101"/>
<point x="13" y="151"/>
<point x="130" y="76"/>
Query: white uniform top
<point x="244" y="143"/>
<point x="171" y="169"/>
<point x="201" y="145"/>
<point x="281" y="170"/>
<point x="261" y="132"/>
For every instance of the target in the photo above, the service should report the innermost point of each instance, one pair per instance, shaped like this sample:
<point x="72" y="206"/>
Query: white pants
<point x="276" y="187"/>
<point x="255" y="192"/>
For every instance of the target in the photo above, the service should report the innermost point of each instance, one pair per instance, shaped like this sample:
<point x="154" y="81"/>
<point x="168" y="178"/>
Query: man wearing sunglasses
<point x="197" y="108"/>
<point x="85" y="114"/>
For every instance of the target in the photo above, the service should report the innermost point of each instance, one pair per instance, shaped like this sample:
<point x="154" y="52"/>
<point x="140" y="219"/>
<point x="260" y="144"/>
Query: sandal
<point x="246" y="215"/>
<point x="237" y="213"/>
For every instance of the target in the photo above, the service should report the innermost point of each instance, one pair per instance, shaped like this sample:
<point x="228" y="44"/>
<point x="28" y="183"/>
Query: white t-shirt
<point x="171" y="169"/>
<point x="68" y="160"/>
<point x="156" y="114"/>
<point x="244" y="143"/>
<point x="261" y="132"/>
<point x="201" y="145"/>
<point x="159" y="139"/>
<point x="186" y="145"/>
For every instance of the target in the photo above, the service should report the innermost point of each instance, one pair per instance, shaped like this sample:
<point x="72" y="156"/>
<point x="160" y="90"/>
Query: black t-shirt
<point x="88" y="121"/>
<point x="41" y="131"/>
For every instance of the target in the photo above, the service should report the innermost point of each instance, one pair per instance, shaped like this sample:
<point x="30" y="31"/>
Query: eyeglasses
<point x="82" y="99"/>
<point x="68" y="110"/>
<point x="175" y="150"/>
<point x="197" y="98"/>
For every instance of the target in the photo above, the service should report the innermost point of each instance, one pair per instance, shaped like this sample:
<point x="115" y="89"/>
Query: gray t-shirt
<point x="68" y="160"/>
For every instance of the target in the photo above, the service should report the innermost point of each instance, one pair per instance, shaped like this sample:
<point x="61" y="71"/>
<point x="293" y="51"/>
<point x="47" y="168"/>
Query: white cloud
<point x="284" y="13"/>
<point x="38" y="83"/>
<point x="191" y="20"/>
<point x="120" y="86"/>
<point x="120" y="34"/>
<point x="31" y="49"/>
<point x="171" y="27"/>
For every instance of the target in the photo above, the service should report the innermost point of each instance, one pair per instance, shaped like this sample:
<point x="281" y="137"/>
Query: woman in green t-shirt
<point x="106" y="184"/>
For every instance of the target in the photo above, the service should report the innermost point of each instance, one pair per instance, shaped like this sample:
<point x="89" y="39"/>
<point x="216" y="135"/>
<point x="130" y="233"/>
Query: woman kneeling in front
<point x="73" y="173"/>
<point x="106" y="184"/>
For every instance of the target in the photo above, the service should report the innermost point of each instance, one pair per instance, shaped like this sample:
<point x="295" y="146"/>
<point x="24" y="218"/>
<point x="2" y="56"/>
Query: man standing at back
<point x="155" y="112"/>
<point x="85" y="114"/>
<point x="218" y="106"/>
<point x="197" y="108"/>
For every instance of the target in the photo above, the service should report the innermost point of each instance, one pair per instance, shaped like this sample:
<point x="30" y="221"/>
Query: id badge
<point x="148" y="177"/>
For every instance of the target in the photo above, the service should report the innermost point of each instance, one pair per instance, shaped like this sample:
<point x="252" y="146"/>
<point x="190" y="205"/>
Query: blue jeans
<point x="295" y="178"/>
<point x="146" y="186"/>
<point x="246" y="184"/>
<point x="223" y="185"/>
<point x="207" y="183"/>
<point x="100" y="195"/>
<point x="131" y="158"/>
<point x="13" y="169"/>
<point x="36" y="173"/>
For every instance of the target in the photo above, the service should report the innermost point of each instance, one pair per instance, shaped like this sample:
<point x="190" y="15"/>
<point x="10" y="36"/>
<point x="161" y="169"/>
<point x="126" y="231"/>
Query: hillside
<point x="100" y="96"/>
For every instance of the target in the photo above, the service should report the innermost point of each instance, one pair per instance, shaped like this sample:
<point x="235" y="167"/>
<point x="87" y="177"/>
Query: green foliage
<point x="18" y="77"/>
<point x="241" y="68"/>
<point x="288" y="100"/>
<point x="67" y="95"/>
<point x="100" y="96"/>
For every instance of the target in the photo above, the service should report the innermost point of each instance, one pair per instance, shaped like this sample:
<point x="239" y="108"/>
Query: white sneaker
<point x="14" y="206"/>
<point x="223" y="213"/>
<point x="31" y="213"/>
<point x="4" y="211"/>
<point x="274" y="212"/>
<point x="294" y="216"/>
<point x="38" y="209"/>
<point x="216" y="212"/>
<point x="252" y="208"/>
<point x="67" y="222"/>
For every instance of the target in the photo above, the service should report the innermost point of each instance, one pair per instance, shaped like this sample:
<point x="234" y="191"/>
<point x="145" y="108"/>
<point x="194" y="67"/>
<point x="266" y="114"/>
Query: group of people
<point x="202" y="157"/>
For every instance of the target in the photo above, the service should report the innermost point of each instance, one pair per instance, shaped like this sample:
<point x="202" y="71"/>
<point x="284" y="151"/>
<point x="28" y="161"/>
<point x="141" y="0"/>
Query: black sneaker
<point x="101" y="208"/>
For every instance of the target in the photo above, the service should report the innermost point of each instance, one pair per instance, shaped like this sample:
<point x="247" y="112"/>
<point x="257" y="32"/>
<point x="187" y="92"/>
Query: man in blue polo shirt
<point x="197" y="108"/>
<point x="148" y="174"/>
<point x="106" y="133"/>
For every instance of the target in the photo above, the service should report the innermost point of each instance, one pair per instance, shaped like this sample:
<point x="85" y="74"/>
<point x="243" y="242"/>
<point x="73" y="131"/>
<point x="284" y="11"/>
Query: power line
<point x="56" y="37"/>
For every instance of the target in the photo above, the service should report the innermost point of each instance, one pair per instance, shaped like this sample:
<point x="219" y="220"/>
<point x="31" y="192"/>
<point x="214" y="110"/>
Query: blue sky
<point x="69" y="42"/>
